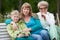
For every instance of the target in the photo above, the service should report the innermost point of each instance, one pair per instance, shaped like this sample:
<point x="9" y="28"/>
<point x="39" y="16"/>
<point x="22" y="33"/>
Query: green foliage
<point x="1" y="18"/>
<point x="52" y="5"/>
<point x="9" y="5"/>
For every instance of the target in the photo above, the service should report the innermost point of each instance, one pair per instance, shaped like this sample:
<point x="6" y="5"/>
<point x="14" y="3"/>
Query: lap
<point x="24" y="38"/>
<point x="36" y="35"/>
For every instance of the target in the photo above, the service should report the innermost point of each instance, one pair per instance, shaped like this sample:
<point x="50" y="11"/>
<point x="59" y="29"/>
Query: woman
<point x="33" y="24"/>
<point x="47" y="19"/>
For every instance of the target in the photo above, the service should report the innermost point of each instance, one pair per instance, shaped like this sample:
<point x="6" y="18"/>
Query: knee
<point x="36" y="36"/>
<point x="44" y="32"/>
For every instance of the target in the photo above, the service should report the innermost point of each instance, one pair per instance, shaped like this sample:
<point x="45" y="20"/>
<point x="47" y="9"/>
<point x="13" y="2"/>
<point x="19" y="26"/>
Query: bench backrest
<point x="3" y="32"/>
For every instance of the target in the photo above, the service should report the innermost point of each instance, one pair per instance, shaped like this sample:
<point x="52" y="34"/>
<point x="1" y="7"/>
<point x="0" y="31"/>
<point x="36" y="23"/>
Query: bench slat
<point x="3" y="32"/>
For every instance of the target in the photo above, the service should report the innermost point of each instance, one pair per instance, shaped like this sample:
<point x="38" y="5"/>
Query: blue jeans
<point x="44" y="34"/>
<point x="37" y="37"/>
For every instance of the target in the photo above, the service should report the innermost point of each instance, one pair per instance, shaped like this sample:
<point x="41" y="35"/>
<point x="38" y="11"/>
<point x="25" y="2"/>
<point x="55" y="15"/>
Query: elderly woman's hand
<point x="44" y="16"/>
<point x="26" y="30"/>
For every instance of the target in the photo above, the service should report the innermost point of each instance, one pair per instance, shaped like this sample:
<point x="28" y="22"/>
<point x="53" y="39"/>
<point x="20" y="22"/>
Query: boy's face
<point x="15" y="18"/>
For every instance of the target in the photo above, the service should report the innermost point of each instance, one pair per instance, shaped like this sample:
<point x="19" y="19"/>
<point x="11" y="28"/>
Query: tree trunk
<point x="20" y="4"/>
<point x="58" y="9"/>
<point x="0" y="5"/>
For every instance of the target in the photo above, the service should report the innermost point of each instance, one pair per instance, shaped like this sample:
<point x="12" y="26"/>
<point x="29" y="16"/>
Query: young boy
<point x="16" y="27"/>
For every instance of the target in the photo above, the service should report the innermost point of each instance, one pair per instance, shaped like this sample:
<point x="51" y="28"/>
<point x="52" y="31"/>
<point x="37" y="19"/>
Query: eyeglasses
<point x="42" y="8"/>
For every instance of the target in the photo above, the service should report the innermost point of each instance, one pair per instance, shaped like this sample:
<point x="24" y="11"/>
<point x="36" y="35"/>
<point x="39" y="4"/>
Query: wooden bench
<point x="3" y="32"/>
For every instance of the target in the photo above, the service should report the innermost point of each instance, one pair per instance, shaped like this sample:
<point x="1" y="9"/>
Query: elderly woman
<point x="47" y="19"/>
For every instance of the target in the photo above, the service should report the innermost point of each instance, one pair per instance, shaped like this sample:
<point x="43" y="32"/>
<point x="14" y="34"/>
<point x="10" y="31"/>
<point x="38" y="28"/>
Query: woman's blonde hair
<point x="43" y="3"/>
<point x="26" y="5"/>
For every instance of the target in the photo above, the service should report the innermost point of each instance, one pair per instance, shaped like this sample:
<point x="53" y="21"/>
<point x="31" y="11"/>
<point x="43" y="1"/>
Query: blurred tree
<point x="8" y="5"/>
<point x="0" y="5"/>
<point x="58" y="7"/>
<point x="20" y="4"/>
<point x="52" y="5"/>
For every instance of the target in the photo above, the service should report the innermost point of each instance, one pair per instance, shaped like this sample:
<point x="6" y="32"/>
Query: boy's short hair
<point x="15" y="12"/>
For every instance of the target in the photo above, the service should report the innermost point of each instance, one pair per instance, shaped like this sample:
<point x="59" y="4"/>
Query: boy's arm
<point x="11" y="32"/>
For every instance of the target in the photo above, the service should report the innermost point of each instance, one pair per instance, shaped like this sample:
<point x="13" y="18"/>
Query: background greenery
<point x="8" y="5"/>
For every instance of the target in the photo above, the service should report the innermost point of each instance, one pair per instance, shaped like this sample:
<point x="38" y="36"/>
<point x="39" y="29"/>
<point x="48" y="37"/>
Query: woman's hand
<point x="29" y="29"/>
<point x="20" y="35"/>
<point x="26" y="34"/>
<point x="26" y="30"/>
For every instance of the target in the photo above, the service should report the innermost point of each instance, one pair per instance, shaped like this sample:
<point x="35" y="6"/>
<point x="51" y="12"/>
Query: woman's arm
<point x="37" y="26"/>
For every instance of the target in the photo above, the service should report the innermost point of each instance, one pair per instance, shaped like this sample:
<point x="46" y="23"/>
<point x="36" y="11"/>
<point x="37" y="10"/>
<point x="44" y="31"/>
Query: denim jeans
<point x="37" y="37"/>
<point x="44" y="34"/>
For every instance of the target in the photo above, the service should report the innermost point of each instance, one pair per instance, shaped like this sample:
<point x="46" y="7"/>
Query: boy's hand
<point x="14" y="26"/>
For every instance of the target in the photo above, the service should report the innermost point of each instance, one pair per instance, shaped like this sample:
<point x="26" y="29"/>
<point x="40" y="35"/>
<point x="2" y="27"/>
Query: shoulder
<point x="50" y="14"/>
<point x="35" y="16"/>
<point x="36" y="20"/>
<point x="21" y="21"/>
<point x="9" y="26"/>
<point x="38" y="13"/>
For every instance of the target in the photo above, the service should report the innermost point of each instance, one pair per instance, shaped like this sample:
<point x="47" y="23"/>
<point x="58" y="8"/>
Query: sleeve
<point x="37" y="26"/>
<point x="50" y="19"/>
<point x="8" y="21"/>
<point x="24" y="27"/>
<point x="11" y="32"/>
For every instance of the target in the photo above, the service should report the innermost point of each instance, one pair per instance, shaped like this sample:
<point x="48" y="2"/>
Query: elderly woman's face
<point x="26" y="11"/>
<point x="43" y="9"/>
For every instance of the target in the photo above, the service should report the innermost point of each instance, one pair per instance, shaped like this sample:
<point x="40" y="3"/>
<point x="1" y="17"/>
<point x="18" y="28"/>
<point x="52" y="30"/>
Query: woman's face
<point x="26" y="11"/>
<point x="43" y="9"/>
<point x="15" y="18"/>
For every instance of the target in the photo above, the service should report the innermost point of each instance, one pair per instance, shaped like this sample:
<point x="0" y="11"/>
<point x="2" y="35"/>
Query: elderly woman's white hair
<point x="43" y="3"/>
